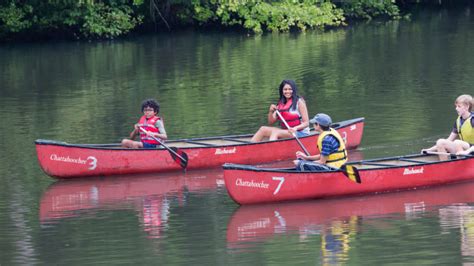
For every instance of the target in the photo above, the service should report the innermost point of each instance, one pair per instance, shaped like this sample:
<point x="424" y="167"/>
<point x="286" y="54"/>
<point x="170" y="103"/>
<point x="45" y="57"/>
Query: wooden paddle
<point x="294" y="135"/>
<point x="179" y="156"/>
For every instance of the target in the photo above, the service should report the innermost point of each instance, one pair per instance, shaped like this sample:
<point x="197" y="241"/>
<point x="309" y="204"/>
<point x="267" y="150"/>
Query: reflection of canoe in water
<point x="258" y="222"/>
<point x="248" y="184"/>
<point x="68" y="198"/>
<point x="63" y="160"/>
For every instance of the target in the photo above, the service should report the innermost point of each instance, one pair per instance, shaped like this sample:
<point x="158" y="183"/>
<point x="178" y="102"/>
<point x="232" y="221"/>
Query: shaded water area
<point x="402" y="76"/>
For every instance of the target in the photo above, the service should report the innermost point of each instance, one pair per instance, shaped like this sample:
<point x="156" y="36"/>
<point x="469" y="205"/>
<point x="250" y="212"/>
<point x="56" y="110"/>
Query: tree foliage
<point x="91" y="19"/>
<point x="277" y="16"/>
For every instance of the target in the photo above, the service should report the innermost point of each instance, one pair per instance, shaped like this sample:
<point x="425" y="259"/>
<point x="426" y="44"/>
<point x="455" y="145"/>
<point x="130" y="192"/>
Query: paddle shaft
<point x="166" y="147"/>
<point x="294" y="134"/>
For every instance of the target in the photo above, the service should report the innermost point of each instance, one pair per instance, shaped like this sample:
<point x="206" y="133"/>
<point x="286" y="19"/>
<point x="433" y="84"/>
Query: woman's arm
<point x="272" y="117"/>
<point x="304" y="115"/>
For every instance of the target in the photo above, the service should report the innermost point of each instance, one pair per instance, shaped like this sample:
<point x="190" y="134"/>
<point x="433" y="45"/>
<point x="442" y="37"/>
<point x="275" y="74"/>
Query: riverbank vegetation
<point x="108" y="19"/>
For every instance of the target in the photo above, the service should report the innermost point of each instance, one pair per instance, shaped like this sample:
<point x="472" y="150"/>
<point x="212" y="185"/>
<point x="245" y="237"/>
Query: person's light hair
<point x="465" y="99"/>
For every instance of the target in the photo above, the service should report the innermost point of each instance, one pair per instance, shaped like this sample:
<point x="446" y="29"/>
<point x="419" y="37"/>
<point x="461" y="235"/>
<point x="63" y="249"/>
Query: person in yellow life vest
<point x="461" y="139"/>
<point x="151" y="127"/>
<point x="292" y="108"/>
<point x="332" y="148"/>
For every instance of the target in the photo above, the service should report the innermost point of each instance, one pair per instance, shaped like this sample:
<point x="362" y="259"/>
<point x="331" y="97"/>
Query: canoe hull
<point x="62" y="160"/>
<point x="250" y="185"/>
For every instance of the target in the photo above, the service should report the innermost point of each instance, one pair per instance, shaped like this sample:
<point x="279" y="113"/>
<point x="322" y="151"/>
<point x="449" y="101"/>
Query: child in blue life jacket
<point x="150" y="127"/>
<point x="461" y="139"/>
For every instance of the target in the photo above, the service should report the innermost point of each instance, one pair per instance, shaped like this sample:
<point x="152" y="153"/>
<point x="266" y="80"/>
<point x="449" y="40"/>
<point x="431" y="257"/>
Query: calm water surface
<point x="402" y="76"/>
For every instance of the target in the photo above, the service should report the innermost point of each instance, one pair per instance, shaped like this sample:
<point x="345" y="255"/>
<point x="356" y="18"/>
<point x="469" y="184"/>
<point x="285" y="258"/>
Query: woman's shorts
<point x="301" y="134"/>
<point x="148" y="145"/>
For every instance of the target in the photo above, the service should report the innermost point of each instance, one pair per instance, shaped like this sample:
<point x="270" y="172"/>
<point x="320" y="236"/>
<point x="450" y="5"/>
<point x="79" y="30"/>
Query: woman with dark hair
<point x="292" y="108"/>
<point x="152" y="127"/>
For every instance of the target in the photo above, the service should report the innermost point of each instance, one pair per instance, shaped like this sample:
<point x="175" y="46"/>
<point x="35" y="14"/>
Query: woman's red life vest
<point x="292" y="117"/>
<point x="148" y="125"/>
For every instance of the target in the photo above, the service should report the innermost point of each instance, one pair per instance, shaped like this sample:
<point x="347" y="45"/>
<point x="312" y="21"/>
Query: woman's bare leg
<point x="279" y="134"/>
<point x="263" y="132"/>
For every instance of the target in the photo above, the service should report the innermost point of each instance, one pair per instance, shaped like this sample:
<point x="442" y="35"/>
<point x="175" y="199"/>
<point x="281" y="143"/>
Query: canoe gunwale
<point x="406" y="158"/>
<point x="197" y="141"/>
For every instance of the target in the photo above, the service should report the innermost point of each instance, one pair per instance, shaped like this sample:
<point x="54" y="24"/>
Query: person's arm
<point x="134" y="133"/>
<point x="162" y="135"/>
<point x="272" y="116"/>
<point x="453" y="136"/>
<point x="304" y="115"/>
<point x="302" y="155"/>
<point x="161" y="127"/>
<point x="323" y="159"/>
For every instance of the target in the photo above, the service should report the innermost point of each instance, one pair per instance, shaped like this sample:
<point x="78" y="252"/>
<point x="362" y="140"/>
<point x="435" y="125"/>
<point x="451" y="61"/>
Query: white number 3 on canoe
<point x="92" y="163"/>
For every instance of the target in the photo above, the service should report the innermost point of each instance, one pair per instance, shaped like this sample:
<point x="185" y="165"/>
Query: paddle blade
<point x="179" y="156"/>
<point x="352" y="173"/>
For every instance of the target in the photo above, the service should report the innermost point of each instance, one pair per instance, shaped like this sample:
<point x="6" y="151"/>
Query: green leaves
<point x="276" y="16"/>
<point x="14" y="18"/>
<point x="93" y="19"/>
<point x="367" y="9"/>
<point x="101" y="21"/>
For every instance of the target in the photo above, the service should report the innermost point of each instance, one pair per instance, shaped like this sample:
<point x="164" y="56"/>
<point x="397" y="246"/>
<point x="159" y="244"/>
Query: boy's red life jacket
<point x="148" y="125"/>
<point x="292" y="117"/>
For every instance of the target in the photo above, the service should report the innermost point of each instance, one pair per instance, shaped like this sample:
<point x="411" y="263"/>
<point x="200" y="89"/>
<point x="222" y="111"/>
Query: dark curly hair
<point x="152" y="103"/>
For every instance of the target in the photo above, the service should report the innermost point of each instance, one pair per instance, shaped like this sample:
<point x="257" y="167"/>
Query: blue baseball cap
<point x="322" y="119"/>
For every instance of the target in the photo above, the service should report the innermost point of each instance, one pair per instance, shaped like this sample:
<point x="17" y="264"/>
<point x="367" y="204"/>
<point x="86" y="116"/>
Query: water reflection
<point x="336" y="222"/>
<point x="150" y="196"/>
<point x="460" y="216"/>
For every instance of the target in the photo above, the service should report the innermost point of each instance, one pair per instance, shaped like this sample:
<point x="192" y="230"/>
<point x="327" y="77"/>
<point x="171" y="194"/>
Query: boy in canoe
<point x="292" y="108"/>
<point x="150" y="127"/>
<point x="332" y="148"/>
<point x="461" y="139"/>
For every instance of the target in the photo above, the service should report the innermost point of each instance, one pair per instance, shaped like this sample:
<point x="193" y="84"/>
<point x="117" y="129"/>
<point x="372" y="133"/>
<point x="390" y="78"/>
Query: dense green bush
<point x="91" y="19"/>
<point x="106" y="21"/>
<point x="80" y="19"/>
<point x="368" y="9"/>
<point x="275" y="16"/>
<point x="14" y="18"/>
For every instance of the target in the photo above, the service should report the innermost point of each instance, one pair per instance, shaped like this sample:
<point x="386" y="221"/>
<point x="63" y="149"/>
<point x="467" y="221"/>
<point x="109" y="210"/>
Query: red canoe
<point x="254" y="223"/>
<point x="63" y="160"/>
<point x="249" y="184"/>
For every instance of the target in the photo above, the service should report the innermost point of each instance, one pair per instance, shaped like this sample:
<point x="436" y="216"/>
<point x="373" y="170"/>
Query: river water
<point x="402" y="76"/>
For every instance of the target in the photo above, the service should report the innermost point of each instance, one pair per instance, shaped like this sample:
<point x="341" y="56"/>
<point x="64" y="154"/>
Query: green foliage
<point x="101" y="21"/>
<point x="13" y="18"/>
<point x="92" y="19"/>
<point x="83" y="19"/>
<point x="258" y="15"/>
<point x="367" y="9"/>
